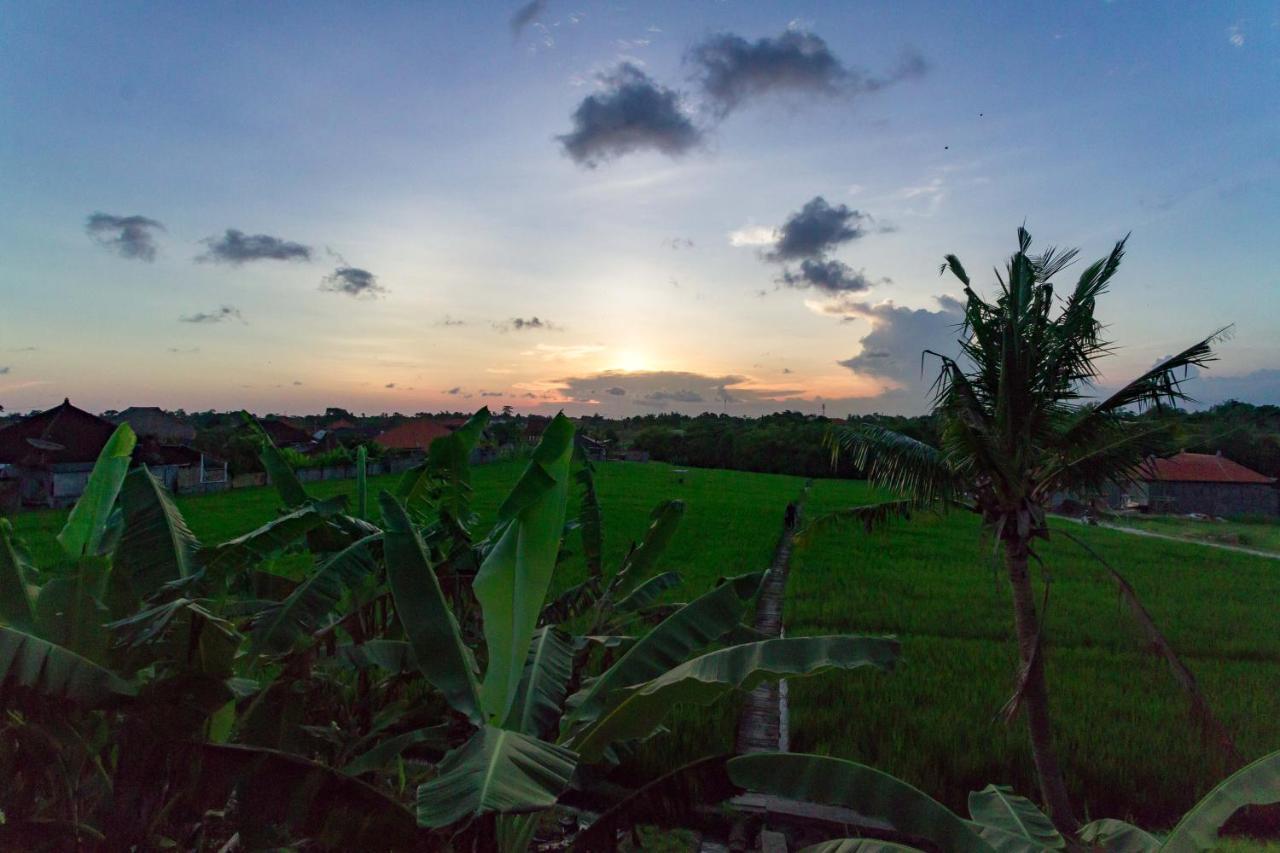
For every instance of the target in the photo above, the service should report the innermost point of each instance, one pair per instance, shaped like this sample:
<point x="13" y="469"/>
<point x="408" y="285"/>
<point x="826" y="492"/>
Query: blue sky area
<point x="613" y="207"/>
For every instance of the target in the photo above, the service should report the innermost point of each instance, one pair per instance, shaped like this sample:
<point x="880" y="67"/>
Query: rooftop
<point x="1202" y="468"/>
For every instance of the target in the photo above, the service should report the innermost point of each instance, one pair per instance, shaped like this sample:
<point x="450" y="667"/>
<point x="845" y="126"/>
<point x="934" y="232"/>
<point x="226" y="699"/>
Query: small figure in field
<point x="790" y="517"/>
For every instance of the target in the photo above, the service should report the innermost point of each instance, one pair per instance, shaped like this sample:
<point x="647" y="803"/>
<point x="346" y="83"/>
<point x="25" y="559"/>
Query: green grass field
<point x="1129" y="746"/>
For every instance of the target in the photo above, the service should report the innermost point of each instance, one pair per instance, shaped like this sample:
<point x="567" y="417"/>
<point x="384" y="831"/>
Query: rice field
<point x="1128" y="744"/>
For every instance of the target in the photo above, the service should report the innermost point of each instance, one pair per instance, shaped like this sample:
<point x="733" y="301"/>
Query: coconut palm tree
<point x="1016" y="429"/>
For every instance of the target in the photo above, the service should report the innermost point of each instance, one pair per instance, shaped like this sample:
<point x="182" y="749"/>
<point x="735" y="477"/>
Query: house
<point x="594" y="449"/>
<point x="285" y="434"/>
<point x="415" y="434"/>
<point x="154" y="422"/>
<point x="179" y="467"/>
<point x="1204" y="483"/>
<point x="534" y="427"/>
<point x="51" y="453"/>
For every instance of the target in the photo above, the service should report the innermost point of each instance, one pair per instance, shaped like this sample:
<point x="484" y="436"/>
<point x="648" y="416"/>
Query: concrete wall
<point x="1221" y="499"/>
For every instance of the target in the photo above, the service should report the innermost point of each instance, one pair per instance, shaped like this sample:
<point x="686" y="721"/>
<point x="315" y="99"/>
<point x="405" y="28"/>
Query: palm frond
<point x="897" y="462"/>
<point x="869" y="516"/>
<point x="1161" y="384"/>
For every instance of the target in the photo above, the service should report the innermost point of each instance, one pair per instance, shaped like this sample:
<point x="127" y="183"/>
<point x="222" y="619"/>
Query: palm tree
<point x="1016" y="429"/>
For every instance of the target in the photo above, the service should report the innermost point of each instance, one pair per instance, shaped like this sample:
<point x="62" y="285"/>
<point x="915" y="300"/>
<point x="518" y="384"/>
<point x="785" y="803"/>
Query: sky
<point x="623" y="208"/>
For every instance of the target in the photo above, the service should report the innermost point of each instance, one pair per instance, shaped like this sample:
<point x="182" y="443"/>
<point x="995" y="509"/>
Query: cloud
<point x="449" y="321"/>
<point x="526" y="15"/>
<point x="556" y="352"/>
<point x="4" y="371"/>
<point x="630" y="113"/>
<point x="296" y="382"/>
<point x="684" y="390"/>
<point x="732" y="70"/>
<point x="816" y="229"/>
<point x="753" y="235"/>
<point x="130" y="237"/>
<point x="218" y="315"/>
<point x="829" y="276"/>
<point x="454" y="391"/>
<point x="236" y="247"/>
<point x="184" y="350"/>
<point x="678" y="243"/>
<point x="389" y="385"/>
<point x="892" y="350"/>
<point x="491" y="394"/>
<point x="353" y="282"/>
<point x="521" y="324"/>
<point x="1235" y="36"/>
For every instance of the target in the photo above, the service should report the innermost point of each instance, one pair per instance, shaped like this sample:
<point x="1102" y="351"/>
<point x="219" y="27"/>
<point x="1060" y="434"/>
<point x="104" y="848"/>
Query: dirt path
<point x="1239" y="549"/>
<point x="761" y="727"/>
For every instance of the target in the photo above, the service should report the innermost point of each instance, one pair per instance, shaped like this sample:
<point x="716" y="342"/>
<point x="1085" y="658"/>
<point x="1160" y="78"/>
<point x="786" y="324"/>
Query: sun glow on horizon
<point x="631" y="361"/>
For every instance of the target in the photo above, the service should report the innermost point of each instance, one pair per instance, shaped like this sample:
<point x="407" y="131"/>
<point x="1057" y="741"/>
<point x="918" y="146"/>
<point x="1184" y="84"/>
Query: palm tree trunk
<point x="1035" y="692"/>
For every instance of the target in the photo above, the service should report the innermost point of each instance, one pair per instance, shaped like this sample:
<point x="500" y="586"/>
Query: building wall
<point x="1222" y="499"/>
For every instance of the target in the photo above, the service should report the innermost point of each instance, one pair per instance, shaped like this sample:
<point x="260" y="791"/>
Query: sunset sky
<point x="614" y="207"/>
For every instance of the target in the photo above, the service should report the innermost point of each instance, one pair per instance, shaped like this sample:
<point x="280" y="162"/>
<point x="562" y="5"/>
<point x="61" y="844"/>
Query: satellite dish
<point x="41" y="444"/>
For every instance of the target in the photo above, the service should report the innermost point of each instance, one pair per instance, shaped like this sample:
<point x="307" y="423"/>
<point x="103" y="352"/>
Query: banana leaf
<point x="689" y="629"/>
<point x="1256" y="784"/>
<point x="540" y="699"/>
<point x="865" y="790"/>
<point x="156" y="546"/>
<point x="512" y="582"/>
<point x="425" y="615"/>
<point x="704" y="679"/>
<point x="87" y="524"/>
<point x="16" y="606"/>
<point x="28" y="662"/>
<point x="497" y="770"/>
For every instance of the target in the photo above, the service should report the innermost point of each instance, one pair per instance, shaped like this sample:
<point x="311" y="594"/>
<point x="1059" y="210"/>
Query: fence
<point x="390" y="465"/>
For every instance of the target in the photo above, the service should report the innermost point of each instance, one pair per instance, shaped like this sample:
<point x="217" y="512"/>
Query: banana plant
<point x="530" y="739"/>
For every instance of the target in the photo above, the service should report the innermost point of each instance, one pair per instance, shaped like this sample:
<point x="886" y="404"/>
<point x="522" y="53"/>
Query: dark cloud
<point x="678" y="243"/>
<point x="4" y="371"/>
<point x="630" y="113"/>
<point x="686" y="395"/>
<point x="899" y="336"/>
<point x="184" y="351"/>
<point x="454" y="391"/>
<point x="353" y="282"/>
<point x="815" y="230"/>
<point x="296" y="382"/>
<point x="828" y="276"/>
<point x="226" y="312"/>
<point x="449" y="321"/>
<point x="128" y="236"/>
<point x="526" y="15"/>
<point x="23" y="349"/>
<point x="491" y="394"/>
<point x="521" y="324"/>
<point x="389" y="385"/>
<point x="236" y="247"/>
<point x="732" y="70"/>
<point x="685" y="390"/>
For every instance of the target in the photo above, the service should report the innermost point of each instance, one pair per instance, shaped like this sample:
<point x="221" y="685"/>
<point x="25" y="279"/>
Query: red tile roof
<point x="416" y="434"/>
<point x="1202" y="468"/>
<point x="63" y="434"/>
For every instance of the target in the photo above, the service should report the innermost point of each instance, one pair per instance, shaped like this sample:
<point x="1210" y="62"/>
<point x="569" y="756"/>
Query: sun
<point x="631" y="361"/>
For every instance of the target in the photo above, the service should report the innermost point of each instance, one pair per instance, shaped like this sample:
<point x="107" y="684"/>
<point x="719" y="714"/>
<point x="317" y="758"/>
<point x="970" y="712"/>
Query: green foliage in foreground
<point x="163" y="694"/>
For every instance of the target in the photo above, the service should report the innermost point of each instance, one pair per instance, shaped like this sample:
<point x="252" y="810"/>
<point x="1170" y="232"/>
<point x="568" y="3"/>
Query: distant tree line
<point x="794" y="443"/>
